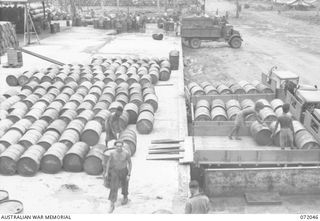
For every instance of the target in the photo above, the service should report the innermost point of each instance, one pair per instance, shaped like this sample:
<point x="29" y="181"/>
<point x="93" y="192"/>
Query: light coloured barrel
<point x="29" y="162"/>
<point x="145" y="122"/>
<point x="94" y="159"/>
<point x="47" y="98"/>
<point x="218" y="114"/>
<point x="52" y="160"/>
<point x="223" y="89"/>
<point x="31" y="99"/>
<point x="267" y="114"/>
<point x="197" y="90"/>
<point x="218" y="103"/>
<point x="233" y="103"/>
<point x="136" y="99"/>
<point x="153" y="100"/>
<point x="129" y="137"/>
<point x="22" y="126"/>
<point x="39" y="125"/>
<point x="84" y="106"/>
<point x="58" y="126"/>
<point x="76" y="125"/>
<point x="48" y="138"/>
<point x="63" y="98"/>
<point x="264" y="102"/>
<point x="263" y="88"/>
<point x="247" y="103"/>
<point x="56" y="105"/>
<point x="237" y="89"/>
<point x="67" y="90"/>
<point x="9" y="159"/>
<point x="202" y="114"/>
<point x="123" y="99"/>
<point x="210" y="90"/>
<point x="74" y="159"/>
<point x="114" y="105"/>
<point x="243" y="83"/>
<point x="305" y="140"/>
<point x="250" y="89"/>
<point x="276" y="103"/>
<point x="86" y="116"/>
<point x="91" y="133"/>
<point x="297" y="126"/>
<point x="261" y="133"/>
<point x="102" y="116"/>
<point x="34" y="114"/>
<point x="133" y="111"/>
<point x="30" y="138"/>
<point x="154" y="74"/>
<point x="232" y="112"/>
<point x="49" y="115"/>
<point x="203" y="103"/>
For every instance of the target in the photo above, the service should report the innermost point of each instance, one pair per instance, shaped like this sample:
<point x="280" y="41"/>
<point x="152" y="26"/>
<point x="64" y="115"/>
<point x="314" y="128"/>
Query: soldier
<point x="113" y="126"/>
<point x="116" y="172"/>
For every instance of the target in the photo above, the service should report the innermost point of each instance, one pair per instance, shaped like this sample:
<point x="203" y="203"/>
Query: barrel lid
<point x="11" y="207"/>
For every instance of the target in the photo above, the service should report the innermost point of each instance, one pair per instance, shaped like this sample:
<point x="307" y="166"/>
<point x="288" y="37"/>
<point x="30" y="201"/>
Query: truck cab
<point x="194" y="29"/>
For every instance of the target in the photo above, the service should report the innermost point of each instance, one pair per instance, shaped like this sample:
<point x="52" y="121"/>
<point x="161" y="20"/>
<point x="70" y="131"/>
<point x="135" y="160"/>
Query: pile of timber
<point x="165" y="149"/>
<point x="8" y="37"/>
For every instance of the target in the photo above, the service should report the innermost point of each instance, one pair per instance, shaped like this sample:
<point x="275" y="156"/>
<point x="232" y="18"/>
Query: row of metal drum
<point x="303" y="139"/>
<point x="224" y="88"/>
<point x="107" y="71"/>
<point x="71" y="157"/>
<point x="96" y="97"/>
<point x="218" y="110"/>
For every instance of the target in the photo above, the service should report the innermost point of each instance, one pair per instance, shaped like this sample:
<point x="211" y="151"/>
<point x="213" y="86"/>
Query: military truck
<point x="198" y="28"/>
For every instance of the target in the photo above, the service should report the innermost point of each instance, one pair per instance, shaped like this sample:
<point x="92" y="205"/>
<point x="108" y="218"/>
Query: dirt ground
<point x="269" y="39"/>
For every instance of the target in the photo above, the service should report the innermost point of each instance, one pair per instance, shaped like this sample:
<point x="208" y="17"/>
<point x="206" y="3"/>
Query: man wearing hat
<point x="113" y="126"/>
<point x="198" y="203"/>
<point x="117" y="171"/>
<point x="241" y="116"/>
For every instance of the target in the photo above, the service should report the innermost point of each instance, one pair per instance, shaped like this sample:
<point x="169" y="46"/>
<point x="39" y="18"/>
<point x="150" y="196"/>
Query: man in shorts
<point x="241" y="116"/>
<point x="286" y="128"/>
<point x="113" y="127"/>
<point x="116" y="172"/>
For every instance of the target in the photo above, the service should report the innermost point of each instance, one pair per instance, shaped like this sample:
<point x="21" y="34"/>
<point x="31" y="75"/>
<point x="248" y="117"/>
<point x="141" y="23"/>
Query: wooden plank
<point x="165" y="151"/>
<point x="188" y="153"/>
<point x="164" y="146"/>
<point x="263" y="198"/>
<point x="162" y="141"/>
<point x="164" y="157"/>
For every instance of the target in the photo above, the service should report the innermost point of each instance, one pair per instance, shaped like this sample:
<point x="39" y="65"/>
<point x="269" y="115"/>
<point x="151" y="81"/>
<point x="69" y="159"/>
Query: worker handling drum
<point x="286" y="127"/>
<point x="116" y="172"/>
<point x="113" y="126"/>
<point x="241" y="116"/>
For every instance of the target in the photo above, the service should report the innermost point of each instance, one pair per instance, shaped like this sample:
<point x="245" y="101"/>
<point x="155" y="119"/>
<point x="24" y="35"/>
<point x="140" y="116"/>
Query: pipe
<point x="41" y="56"/>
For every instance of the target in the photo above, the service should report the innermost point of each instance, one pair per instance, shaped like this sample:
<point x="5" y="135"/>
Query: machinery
<point x="195" y="29"/>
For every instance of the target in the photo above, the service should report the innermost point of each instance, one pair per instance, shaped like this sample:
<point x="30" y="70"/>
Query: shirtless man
<point x="241" y="116"/>
<point x="118" y="170"/>
<point x="286" y="128"/>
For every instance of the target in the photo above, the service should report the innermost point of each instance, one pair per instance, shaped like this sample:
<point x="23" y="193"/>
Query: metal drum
<point x="218" y="114"/>
<point x="276" y="103"/>
<point x="267" y="114"/>
<point x="261" y="133"/>
<point x="232" y="112"/>
<point x="304" y="140"/>
<point x="202" y="114"/>
<point x="247" y="103"/>
<point x="233" y="103"/>
<point x="265" y="103"/>
<point x="223" y="89"/>
<point x="218" y="103"/>
<point x="250" y="89"/>
<point x="237" y="89"/>
<point x="203" y="103"/>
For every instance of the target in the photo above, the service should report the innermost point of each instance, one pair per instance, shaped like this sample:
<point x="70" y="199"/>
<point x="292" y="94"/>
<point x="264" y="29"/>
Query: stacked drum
<point x="225" y="88"/>
<point x="59" y="114"/>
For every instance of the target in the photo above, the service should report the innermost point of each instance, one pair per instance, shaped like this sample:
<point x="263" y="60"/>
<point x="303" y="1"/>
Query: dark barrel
<point x="74" y="159"/>
<point x="145" y="122"/>
<point x="94" y="159"/>
<point x="91" y="133"/>
<point x="29" y="162"/>
<point x="261" y="133"/>
<point x="9" y="159"/>
<point x="52" y="160"/>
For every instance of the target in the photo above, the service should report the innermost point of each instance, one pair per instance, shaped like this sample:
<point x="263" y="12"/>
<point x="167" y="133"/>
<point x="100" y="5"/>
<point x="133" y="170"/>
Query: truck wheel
<point x="235" y="42"/>
<point x="195" y="43"/>
<point x="185" y="42"/>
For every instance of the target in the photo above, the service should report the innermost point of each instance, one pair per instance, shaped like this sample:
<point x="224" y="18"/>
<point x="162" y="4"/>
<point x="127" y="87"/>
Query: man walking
<point x="113" y="126"/>
<point x="198" y="203"/>
<point x="116" y="172"/>
<point x="286" y="128"/>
